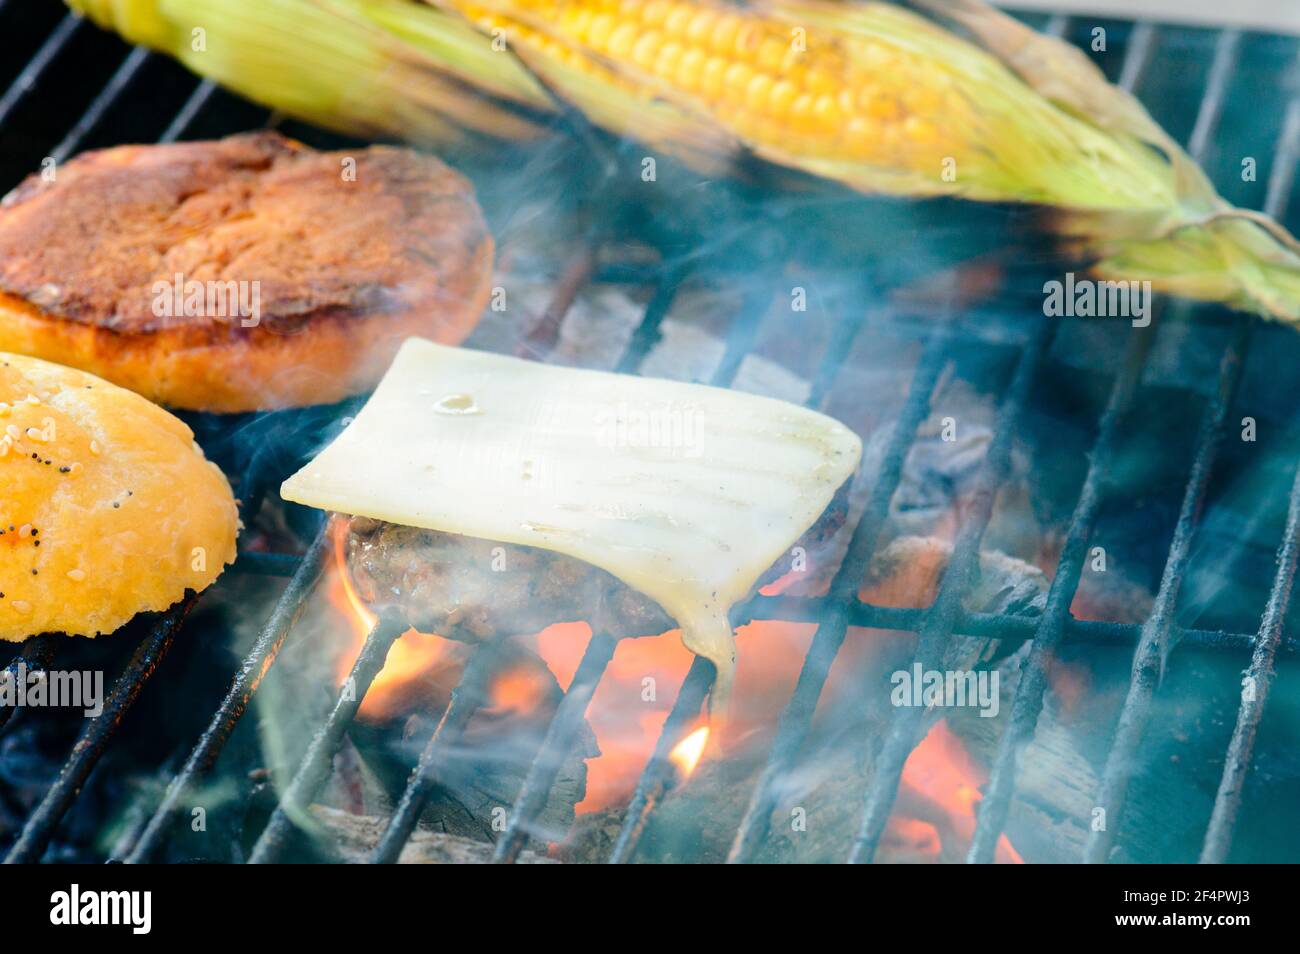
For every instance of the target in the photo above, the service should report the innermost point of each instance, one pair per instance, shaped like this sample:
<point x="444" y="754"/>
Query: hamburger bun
<point x="107" y="506"/>
<point x="244" y="274"/>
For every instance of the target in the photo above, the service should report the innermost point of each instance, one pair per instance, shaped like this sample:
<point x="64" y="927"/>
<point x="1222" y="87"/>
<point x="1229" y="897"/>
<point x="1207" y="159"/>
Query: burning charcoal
<point x="481" y="771"/>
<point x="355" y="836"/>
<point x="1059" y="776"/>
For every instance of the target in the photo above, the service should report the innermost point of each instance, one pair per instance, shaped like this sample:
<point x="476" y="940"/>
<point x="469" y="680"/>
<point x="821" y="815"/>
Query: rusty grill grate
<point x="834" y="613"/>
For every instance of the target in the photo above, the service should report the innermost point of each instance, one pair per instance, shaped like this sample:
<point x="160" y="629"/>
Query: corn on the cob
<point x="868" y="94"/>
<point x="880" y="108"/>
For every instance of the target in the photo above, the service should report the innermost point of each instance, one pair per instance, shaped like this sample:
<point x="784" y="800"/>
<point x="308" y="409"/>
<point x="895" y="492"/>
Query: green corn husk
<point x="366" y="67"/>
<point x="1032" y="120"/>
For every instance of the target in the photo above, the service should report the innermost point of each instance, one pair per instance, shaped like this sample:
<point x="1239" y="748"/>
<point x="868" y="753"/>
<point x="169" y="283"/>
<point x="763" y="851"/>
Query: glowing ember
<point x="913" y="837"/>
<point x="519" y="691"/>
<point x="686" y="753"/>
<point x="940" y="789"/>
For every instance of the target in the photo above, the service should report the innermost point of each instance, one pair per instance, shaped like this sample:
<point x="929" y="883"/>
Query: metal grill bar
<point x="101" y="104"/>
<point x="1011" y="629"/>
<point x="657" y="778"/>
<point x="541" y="340"/>
<point x="95" y="736"/>
<point x="316" y="764"/>
<point x="796" y="720"/>
<point x="842" y="339"/>
<point x="266" y="564"/>
<point x="647" y="332"/>
<point x="466" y="699"/>
<point x="941" y="619"/>
<point x="189" y="111"/>
<point x="26" y="81"/>
<point x="1028" y="702"/>
<point x="1159" y="634"/>
<point x="1226" y="53"/>
<point x="1227" y="802"/>
<point x="555" y="746"/>
<point x="1051" y="629"/>
<point x="742" y="334"/>
<point x="34" y="657"/>
<point x="254" y="669"/>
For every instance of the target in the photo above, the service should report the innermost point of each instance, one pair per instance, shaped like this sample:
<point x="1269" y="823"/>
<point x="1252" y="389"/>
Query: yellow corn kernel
<point x="655" y="12"/>
<point x="758" y="92"/>
<point x="919" y="132"/>
<point x="602" y="25"/>
<point x="711" y="79"/>
<point x="735" y="80"/>
<point x="820" y="82"/>
<point x="825" y="110"/>
<point x="724" y="33"/>
<point x="679" y="19"/>
<point x="669" y="58"/>
<point x="701" y="25"/>
<point x="646" y="50"/>
<point x="782" y="95"/>
<point x="771" y="53"/>
<point x="792" y="58"/>
<point x="622" y="40"/>
<point x="575" y="20"/>
<point x="748" y="37"/>
<point x="867" y="94"/>
<point x="882" y="107"/>
<point x="801" y="109"/>
<point x="690" y="68"/>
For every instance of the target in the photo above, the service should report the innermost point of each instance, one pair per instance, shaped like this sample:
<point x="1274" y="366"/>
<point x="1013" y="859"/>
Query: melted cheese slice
<point x="684" y="492"/>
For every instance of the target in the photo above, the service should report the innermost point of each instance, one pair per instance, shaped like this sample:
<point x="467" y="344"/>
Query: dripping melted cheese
<point x="684" y="492"/>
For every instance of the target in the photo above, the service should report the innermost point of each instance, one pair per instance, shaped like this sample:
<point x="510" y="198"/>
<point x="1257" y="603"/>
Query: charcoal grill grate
<point x="834" y="613"/>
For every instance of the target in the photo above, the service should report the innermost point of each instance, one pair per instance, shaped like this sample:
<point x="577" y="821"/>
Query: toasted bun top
<point x="107" y="506"/>
<point x="337" y="235"/>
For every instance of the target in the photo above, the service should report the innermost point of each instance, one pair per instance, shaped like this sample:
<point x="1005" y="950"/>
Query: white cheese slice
<point x="684" y="492"/>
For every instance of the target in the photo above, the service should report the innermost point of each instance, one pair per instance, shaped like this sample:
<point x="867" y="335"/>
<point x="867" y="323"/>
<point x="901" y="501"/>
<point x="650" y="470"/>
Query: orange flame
<point x="940" y="790"/>
<point x="686" y="753"/>
<point x="415" y="660"/>
<point x="940" y="784"/>
<point x="640" y="685"/>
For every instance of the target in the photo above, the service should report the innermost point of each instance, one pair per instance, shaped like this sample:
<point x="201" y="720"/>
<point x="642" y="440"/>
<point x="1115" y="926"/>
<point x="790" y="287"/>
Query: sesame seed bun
<point x="242" y="274"/>
<point x="107" y="506"/>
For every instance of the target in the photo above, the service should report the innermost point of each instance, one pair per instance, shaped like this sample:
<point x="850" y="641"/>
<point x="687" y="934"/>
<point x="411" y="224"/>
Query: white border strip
<point x="1269" y="16"/>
